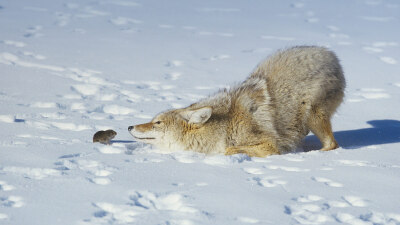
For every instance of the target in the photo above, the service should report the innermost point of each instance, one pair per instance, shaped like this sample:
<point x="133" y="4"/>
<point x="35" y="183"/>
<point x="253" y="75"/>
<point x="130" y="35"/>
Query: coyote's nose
<point x="130" y="128"/>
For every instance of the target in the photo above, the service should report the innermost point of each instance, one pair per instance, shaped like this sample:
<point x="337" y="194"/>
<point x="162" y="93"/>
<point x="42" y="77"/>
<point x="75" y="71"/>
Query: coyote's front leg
<point x="260" y="150"/>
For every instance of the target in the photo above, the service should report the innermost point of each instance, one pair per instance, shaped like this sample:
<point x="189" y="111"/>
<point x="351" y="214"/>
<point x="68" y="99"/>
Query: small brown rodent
<point x="104" y="136"/>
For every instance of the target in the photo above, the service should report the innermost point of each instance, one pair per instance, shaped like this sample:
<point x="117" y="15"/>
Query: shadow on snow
<point x="121" y="141"/>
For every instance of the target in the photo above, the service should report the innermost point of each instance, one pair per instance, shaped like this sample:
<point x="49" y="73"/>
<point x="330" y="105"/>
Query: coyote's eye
<point x="157" y="122"/>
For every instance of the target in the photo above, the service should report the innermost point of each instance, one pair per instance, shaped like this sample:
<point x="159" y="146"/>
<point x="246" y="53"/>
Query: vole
<point x="104" y="136"/>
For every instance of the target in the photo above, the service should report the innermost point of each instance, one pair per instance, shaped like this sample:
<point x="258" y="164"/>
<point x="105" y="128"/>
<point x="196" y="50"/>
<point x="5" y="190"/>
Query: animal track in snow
<point x="78" y="106"/>
<point x="218" y="57"/>
<point x="286" y="168"/>
<point x="225" y="34"/>
<point x="269" y="181"/>
<point x="110" y="213"/>
<point x="7" y="118"/>
<point x="79" y="12"/>
<point x="318" y="212"/>
<point x="313" y="209"/>
<point x="312" y="20"/>
<point x="6" y="187"/>
<point x="201" y="184"/>
<point x="85" y="89"/>
<point x="153" y="85"/>
<point x="204" y="88"/>
<point x="91" y="12"/>
<point x="44" y="105"/>
<point x="166" y="26"/>
<point x="307" y="211"/>
<point x="383" y="44"/>
<point x="117" y="110"/>
<point x="88" y="77"/>
<point x="33" y="173"/>
<point x="54" y="116"/>
<point x="33" y="32"/>
<point x="91" y="166"/>
<point x="72" y="97"/>
<point x="349" y="219"/>
<point x="339" y="36"/>
<point x="370" y="49"/>
<point x="33" y="55"/>
<point x="369" y="93"/>
<point x="170" y="202"/>
<point x="69" y="126"/>
<point x="62" y="19"/>
<point x="143" y="204"/>
<point x="297" y="5"/>
<point x="205" y="33"/>
<point x="247" y="220"/>
<point x="381" y="218"/>
<point x="189" y="27"/>
<point x="131" y="96"/>
<point x="251" y="170"/>
<point x="174" y="63"/>
<point x="40" y="137"/>
<point x="338" y="204"/>
<point x="388" y="60"/>
<point x="354" y="162"/>
<point x="378" y="47"/>
<point x="308" y="198"/>
<point x="12" y="201"/>
<point x="17" y="44"/>
<point x="98" y="171"/>
<point x="183" y="157"/>
<point x="120" y="21"/>
<point x="35" y="9"/>
<point x="333" y="28"/>
<point x="327" y="182"/>
<point x="144" y="160"/>
<point x="100" y="180"/>
<point x="10" y="59"/>
<point x="167" y="96"/>
<point x="355" y="201"/>
<point x="38" y="125"/>
<point x="173" y="76"/>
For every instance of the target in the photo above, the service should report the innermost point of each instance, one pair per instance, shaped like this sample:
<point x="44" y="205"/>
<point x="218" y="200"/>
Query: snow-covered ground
<point x="70" y="68"/>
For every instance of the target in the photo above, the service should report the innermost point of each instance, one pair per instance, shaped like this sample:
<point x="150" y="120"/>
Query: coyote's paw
<point x="333" y="145"/>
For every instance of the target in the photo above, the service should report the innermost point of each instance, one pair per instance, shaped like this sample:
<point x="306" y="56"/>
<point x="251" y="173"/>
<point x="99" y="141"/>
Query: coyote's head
<point x="169" y="130"/>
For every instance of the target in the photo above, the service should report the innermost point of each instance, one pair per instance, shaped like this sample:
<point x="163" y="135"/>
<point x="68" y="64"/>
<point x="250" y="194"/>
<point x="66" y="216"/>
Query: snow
<point x="69" y="69"/>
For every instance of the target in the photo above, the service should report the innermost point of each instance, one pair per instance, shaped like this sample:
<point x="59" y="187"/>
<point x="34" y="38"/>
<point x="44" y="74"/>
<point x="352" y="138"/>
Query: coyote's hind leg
<point x="320" y="124"/>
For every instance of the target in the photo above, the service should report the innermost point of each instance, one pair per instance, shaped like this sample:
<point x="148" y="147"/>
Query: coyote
<point x="293" y="92"/>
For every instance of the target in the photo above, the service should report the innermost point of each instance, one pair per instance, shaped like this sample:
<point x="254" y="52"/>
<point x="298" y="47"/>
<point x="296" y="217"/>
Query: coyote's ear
<point x="198" y="116"/>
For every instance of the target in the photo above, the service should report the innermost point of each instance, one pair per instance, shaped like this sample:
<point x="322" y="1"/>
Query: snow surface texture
<point x="70" y="68"/>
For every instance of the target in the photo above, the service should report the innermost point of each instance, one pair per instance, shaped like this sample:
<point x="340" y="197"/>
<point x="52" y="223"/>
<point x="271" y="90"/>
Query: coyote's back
<point x="292" y="92"/>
